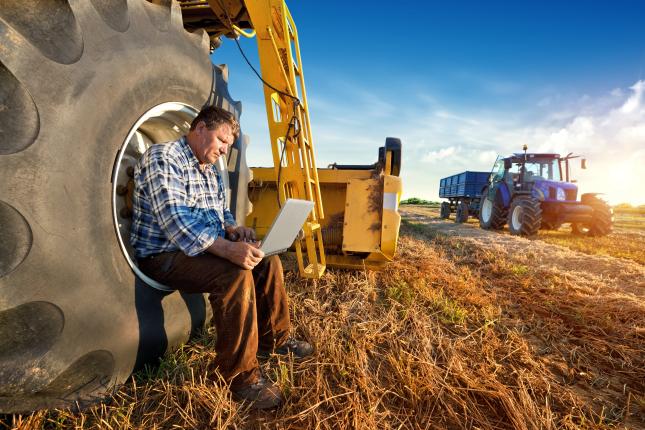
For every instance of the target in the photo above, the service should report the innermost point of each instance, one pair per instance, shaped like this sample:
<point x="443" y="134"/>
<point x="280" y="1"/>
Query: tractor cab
<point x="545" y="176"/>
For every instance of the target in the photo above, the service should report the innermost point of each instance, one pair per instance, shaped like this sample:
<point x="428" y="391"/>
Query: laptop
<point x="286" y="226"/>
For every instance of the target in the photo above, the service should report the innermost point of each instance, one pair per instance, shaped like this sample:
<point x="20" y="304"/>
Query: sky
<point x="461" y="82"/>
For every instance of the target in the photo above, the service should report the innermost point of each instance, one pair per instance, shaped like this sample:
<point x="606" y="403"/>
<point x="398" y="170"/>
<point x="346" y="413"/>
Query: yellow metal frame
<point x="293" y="155"/>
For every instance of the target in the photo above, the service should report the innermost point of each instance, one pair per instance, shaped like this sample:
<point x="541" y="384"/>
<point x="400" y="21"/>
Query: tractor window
<point x="514" y="173"/>
<point x="533" y="172"/>
<point x="543" y="169"/>
<point x="554" y="172"/>
<point x="498" y="170"/>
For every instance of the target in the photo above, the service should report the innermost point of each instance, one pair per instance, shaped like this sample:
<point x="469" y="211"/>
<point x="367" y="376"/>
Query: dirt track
<point x="608" y="272"/>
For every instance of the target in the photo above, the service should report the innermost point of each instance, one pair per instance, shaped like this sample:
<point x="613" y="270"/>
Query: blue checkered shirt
<point x="176" y="205"/>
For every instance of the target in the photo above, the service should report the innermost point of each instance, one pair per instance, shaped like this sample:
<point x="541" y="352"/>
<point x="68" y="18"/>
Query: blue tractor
<point x="534" y="191"/>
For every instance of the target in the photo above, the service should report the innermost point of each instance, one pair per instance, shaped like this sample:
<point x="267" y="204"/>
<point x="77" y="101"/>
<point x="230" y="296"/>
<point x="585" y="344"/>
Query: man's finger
<point x="251" y="262"/>
<point x="257" y="252"/>
<point x="247" y="234"/>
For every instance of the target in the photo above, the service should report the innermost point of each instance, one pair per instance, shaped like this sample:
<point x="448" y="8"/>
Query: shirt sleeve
<point x="229" y="219"/>
<point x="181" y="224"/>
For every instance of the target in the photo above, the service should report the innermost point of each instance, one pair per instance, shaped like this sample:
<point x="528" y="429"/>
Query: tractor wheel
<point x="445" y="210"/>
<point x="80" y="84"/>
<point x="492" y="214"/>
<point x="602" y="221"/>
<point x="461" y="215"/>
<point x="525" y="216"/>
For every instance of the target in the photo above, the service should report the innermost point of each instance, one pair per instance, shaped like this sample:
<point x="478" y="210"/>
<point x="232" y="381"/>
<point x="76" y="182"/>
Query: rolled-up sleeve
<point x="229" y="219"/>
<point x="170" y="205"/>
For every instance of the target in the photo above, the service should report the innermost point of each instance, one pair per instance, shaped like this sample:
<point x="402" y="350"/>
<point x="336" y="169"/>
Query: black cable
<point x="284" y="146"/>
<point x="230" y="22"/>
<point x="295" y="99"/>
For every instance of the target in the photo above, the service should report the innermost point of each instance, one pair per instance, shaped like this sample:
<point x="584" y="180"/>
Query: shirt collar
<point x="192" y="158"/>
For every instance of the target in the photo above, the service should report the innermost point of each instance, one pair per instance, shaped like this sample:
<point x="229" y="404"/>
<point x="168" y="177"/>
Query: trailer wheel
<point x="525" y="216"/>
<point x="445" y="210"/>
<point x="492" y="213"/>
<point x="602" y="221"/>
<point x="461" y="215"/>
<point x="74" y="80"/>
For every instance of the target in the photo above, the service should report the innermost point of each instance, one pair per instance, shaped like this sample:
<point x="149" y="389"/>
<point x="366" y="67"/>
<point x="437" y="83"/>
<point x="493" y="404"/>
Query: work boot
<point x="299" y="348"/>
<point x="262" y="394"/>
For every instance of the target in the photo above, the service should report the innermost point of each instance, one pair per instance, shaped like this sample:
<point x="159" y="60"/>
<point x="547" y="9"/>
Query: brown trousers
<point x="250" y="308"/>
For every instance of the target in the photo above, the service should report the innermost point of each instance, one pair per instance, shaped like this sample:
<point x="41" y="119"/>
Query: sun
<point x="621" y="182"/>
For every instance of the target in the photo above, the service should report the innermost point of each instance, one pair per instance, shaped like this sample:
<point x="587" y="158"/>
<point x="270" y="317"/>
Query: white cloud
<point x="617" y="92"/>
<point x="441" y="154"/>
<point x="634" y="101"/>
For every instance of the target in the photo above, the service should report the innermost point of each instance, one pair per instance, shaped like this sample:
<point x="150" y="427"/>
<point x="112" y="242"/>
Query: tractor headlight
<point x="560" y="195"/>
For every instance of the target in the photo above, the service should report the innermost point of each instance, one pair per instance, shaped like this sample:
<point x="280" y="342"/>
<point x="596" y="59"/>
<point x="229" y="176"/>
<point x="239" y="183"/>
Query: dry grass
<point x="627" y="240"/>
<point x="621" y="243"/>
<point x="449" y="336"/>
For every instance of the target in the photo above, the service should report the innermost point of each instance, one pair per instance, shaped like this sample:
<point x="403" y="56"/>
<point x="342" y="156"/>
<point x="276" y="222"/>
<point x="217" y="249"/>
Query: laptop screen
<point x="286" y="226"/>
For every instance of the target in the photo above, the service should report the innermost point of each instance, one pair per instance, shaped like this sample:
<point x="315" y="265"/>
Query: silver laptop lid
<point x="286" y="226"/>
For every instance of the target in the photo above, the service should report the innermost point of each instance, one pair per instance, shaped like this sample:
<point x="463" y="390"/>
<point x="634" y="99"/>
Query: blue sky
<point x="460" y="82"/>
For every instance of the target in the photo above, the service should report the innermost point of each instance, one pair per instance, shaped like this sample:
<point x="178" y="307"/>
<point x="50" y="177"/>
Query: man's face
<point x="212" y="144"/>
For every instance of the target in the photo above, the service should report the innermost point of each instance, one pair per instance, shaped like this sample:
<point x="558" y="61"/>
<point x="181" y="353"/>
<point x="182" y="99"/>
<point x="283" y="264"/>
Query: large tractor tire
<point x="81" y="83"/>
<point x="602" y="221"/>
<point x="461" y="215"/>
<point x="525" y="216"/>
<point x="492" y="213"/>
<point x="445" y="210"/>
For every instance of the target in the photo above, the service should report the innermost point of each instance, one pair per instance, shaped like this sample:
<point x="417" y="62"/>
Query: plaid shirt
<point x="176" y="205"/>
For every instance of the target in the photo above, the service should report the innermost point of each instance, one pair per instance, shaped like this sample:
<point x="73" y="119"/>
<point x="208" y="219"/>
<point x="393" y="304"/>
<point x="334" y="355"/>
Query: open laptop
<point x="286" y="226"/>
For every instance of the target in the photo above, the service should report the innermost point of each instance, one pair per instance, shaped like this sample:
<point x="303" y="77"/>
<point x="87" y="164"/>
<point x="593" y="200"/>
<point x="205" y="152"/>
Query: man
<point x="186" y="238"/>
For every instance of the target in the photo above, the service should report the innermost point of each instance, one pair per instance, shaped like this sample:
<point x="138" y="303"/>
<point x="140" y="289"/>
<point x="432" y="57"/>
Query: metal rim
<point x="162" y="123"/>
<point x="515" y="219"/>
<point x="487" y="209"/>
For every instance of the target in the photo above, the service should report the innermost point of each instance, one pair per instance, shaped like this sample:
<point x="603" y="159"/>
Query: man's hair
<point x="213" y="117"/>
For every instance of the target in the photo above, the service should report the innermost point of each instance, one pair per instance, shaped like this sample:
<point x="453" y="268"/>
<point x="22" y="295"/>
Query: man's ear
<point x="199" y="127"/>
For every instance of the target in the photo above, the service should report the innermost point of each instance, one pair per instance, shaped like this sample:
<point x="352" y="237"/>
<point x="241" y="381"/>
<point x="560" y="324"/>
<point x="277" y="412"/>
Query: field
<point x="466" y="329"/>
<point x="626" y="241"/>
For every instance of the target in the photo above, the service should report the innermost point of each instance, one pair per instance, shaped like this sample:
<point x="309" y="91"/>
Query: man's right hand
<point x="244" y="254"/>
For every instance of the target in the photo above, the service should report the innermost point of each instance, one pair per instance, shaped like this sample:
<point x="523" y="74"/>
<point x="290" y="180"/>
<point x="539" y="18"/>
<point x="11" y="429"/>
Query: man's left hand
<point x="240" y="234"/>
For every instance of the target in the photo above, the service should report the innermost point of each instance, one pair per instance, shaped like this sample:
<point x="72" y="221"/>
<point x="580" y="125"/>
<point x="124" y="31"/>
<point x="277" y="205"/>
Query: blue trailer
<point x="463" y="192"/>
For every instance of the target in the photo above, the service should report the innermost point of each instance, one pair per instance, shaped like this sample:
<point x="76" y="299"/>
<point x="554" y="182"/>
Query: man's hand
<point x="240" y="234"/>
<point x="245" y="255"/>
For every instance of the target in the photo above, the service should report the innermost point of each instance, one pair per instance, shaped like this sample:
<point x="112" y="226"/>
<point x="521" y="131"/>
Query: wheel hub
<point x="517" y="218"/>
<point x="487" y="208"/>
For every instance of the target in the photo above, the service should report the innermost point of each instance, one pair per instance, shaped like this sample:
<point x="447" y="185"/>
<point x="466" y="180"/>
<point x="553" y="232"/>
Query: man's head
<point x="212" y="133"/>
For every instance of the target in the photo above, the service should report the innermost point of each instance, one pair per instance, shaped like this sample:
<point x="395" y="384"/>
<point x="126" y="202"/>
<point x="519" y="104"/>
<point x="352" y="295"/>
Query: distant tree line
<point x="630" y="209"/>
<point x="418" y="201"/>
